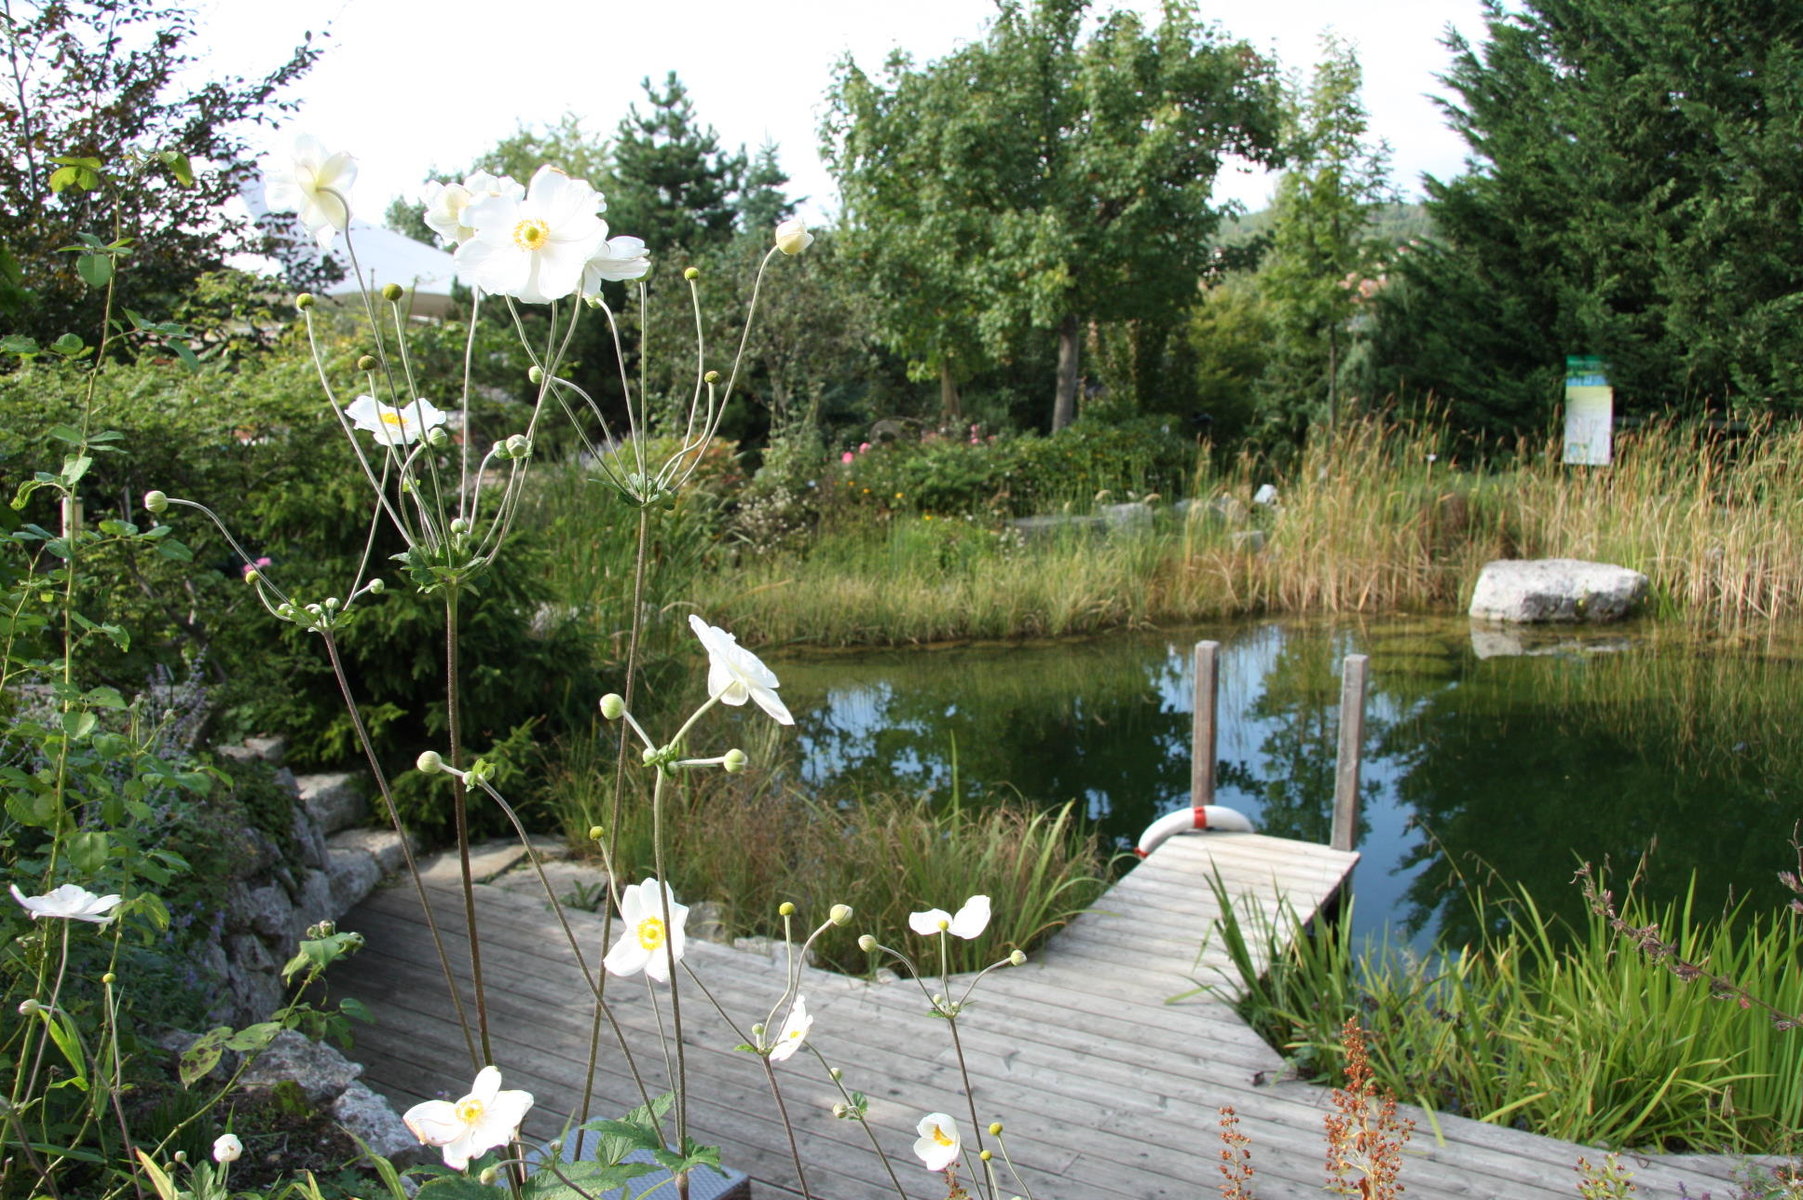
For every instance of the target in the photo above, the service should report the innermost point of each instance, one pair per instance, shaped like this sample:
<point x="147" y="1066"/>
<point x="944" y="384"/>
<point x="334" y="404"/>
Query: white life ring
<point x="1202" y="816"/>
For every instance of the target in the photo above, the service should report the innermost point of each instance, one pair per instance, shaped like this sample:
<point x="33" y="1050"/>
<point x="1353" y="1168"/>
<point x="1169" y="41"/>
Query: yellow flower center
<point x="531" y="234"/>
<point x="651" y="933"/>
<point x="469" y="1110"/>
<point x="940" y="1137"/>
<point x="391" y="417"/>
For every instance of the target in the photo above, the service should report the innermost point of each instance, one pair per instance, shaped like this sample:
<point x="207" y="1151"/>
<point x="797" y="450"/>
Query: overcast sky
<point x="408" y="87"/>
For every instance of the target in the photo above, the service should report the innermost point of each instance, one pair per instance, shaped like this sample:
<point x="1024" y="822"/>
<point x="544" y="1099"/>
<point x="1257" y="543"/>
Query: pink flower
<point x="247" y="568"/>
<point x="848" y="457"/>
<point x="863" y="446"/>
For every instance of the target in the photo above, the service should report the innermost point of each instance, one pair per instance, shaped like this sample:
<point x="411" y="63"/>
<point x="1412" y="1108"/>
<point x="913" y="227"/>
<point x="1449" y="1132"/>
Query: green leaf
<point x="178" y="165"/>
<point x="79" y="725"/>
<point x="174" y="551"/>
<point x="67" y="434"/>
<point x="591" y="1178"/>
<point x="457" y="1187"/>
<point x="118" y="528"/>
<point x="356" y="1010"/>
<point x="203" y="1055"/>
<point x="253" y="1037"/>
<point x="36" y="808"/>
<point x="68" y="345"/>
<point x="96" y="270"/>
<point x="104" y="696"/>
<point x="15" y="343"/>
<point x="89" y="850"/>
<point x="74" y="467"/>
<point x="82" y="179"/>
<point x="61" y="1027"/>
<point x="185" y="355"/>
<point x="159" y="1178"/>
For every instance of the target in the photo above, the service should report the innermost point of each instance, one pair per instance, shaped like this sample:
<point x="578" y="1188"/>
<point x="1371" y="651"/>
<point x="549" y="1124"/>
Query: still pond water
<point x="1479" y="766"/>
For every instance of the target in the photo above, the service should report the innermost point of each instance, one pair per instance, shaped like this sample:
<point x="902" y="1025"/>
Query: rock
<point x="1134" y="515"/>
<point x="383" y="845"/>
<point x="267" y="910"/>
<point x="307" y="838"/>
<point x="1037" y="528"/>
<point x="486" y="861"/>
<point x="370" y="1119"/>
<point x="272" y="750"/>
<point x="313" y="905"/>
<point x="575" y="883"/>
<point x="354" y="874"/>
<point x="321" y="1073"/>
<point x="1517" y="643"/>
<point x="1555" y="589"/>
<point x="334" y="800"/>
<point x="238" y="754"/>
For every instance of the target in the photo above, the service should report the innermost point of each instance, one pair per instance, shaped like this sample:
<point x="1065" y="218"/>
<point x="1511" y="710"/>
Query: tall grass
<point x="751" y="842"/>
<point x="1568" y="1033"/>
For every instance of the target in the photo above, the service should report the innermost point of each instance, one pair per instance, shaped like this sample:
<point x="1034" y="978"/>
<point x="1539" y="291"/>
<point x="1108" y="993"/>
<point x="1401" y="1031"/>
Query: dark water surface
<point x="1481" y="763"/>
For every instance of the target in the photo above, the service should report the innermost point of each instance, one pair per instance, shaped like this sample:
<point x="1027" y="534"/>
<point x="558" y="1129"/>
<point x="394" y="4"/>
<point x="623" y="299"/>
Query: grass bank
<point x="1375" y="519"/>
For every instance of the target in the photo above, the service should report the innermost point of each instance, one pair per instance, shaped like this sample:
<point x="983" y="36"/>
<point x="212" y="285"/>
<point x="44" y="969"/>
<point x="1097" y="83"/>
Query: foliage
<point x="1322" y="253"/>
<point x="1636" y="197"/>
<point x="1078" y="171"/>
<point x="92" y="82"/>
<point x="1546" y="1028"/>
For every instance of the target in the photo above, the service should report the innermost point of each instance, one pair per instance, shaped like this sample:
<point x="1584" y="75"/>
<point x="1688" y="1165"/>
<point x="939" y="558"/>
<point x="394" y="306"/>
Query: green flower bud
<point x="734" y="761"/>
<point x="430" y="762"/>
<point x="985" y="1155"/>
<point x="836" y="1073"/>
<point x="613" y="706"/>
<point x="785" y="909"/>
<point x="331" y="603"/>
<point x="438" y="437"/>
<point x="536" y="374"/>
<point x="109" y="979"/>
<point x="155" y="501"/>
<point x="460" y="526"/>
<point x="867" y="944"/>
<point x="392" y="292"/>
<point x="995" y="1129"/>
<point x="596" y="833"/>
<point x="839" y="1111"/>
<point x="692" y="274"/>
<point x="181" y="1156"/>
<point x="712" y="377"/>
<point x="366" y="362"/>
<point x="1017" y="958"/>
<point x="30" y="1007"/>
<point x="757" y="1031"/>
<point x="376" y="587"/>
<point x="304" y="300"/>
<point x="840" y="914"/>
<point x="251" y="575"/>
<point x="519" y="445"/>
<point x="488" y="1176"/>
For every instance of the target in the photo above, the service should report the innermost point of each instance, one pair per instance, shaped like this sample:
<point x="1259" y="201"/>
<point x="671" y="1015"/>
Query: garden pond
<point x="1489" y="758"/>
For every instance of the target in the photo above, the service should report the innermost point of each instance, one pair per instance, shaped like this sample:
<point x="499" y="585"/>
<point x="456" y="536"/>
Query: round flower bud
<point x="30" y="1007"/>
<point x="227" y="1148"/>
<point x="692" y="274"/>
<point x="836" y="1073"/>
<point x="109" y="979"/>
<point x="251" y="575"/>
<point x="304" y="300"/>
<point x="392" y="292"/>
<point x="376" y="587"/>
<point x="438" y="437"/>
<point x="366" y="362"/>
<point x="650" y="755"/>
<point x="938" y="999"/>
<point x="712" y="377"/>
<point x="866" y="943"/>
<point x="314" y="610"/>
<point x="331" y="603"/>
<point x="995" y="1129"/>
<point x="613" y="706"/>
<point x="488" y="1176"/>
<point x="840" y="914"/>
<point x="536" y="374"/>
<point x="734" y="761"/>
<point x="180" y="1156"/>
<point x="757" y="1030"/>
<point x="1017" y="958"/>
<point x="839" y="1111"/>
<point x="596" y="833"/>
<point x="985" y="1155"/>
<point x="792" y="236"/>
<point x="785" y="909"/>
<point x="155" y="501"/>
<point x="460" y="526"/>
<point x="519" y="445"/>
<point x="431" y="762"/>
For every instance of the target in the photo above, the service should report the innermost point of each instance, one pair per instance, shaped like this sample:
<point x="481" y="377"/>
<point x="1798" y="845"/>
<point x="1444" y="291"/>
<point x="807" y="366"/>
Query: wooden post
<point x="1202" y="732"/>
<point x="1352" y="743"/>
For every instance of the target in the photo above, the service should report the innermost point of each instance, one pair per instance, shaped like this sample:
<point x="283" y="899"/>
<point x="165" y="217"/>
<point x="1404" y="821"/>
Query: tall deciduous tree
<point x="103" y="80"/>
<point x="1041" y="180"/>
<point x="1636" y="192"/>
<point x="1322" y="249"/>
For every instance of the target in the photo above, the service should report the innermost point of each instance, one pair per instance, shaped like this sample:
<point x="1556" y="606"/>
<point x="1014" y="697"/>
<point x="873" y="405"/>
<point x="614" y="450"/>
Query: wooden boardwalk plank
<point x="1109" y="1089"/>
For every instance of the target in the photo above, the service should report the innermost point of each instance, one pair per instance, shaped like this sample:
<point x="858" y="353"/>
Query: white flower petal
<point x="972" y="919"/>
<point x="939" y="1144"/>
<point x="933" y="920"/>
<point x="794" y="1031"/>
<point x="735" y="674"/>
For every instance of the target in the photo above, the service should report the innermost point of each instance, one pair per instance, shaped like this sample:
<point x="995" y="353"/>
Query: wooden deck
<point x="1108" y="1088"/>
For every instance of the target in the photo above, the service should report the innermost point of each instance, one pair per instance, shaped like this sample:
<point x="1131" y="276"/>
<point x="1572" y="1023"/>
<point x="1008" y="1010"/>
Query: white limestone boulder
<point x="1525" y="591"/>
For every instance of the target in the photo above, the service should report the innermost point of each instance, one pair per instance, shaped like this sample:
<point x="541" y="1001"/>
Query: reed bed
<point x="1573" y="1034"/>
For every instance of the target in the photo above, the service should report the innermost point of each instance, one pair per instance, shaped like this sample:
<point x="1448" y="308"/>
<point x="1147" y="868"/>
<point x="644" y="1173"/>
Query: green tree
<point x="670" y="183"/>
<point x="105" y="80"/>
<point x="1036" y="180"/>
<point x="1322" y="247"/>
<point x="1635" y="192"/>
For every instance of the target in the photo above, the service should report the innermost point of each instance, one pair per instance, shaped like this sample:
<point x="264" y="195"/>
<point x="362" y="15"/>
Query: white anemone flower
<point x="618" y="259"/>
<point x="315" y="186"/>
<point x="970" y="920"/>
<point x="486" y="1118"/>
<point x="792" y="236"/>
<point x="227" y="1148"/>
<point x="394" y="426"/>
<point x="642" y="942"/>
<point x="938" y="1144"/>
<point x="446" y="202"/>
<point x="794" y="1031"/>
<point x="735" y="674"/>
<point x="536" y="247"/>
<point x="69" y="902"/>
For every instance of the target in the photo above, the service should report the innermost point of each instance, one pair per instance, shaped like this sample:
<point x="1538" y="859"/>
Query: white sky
<point x="408" y="86"/>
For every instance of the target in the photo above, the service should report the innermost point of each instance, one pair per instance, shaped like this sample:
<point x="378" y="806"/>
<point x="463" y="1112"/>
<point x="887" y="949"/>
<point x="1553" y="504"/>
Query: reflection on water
<point x="1479" y="765"/>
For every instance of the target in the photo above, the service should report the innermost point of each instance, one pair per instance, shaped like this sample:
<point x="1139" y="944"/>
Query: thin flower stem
<point x="782" y="1111"/>
<point x="680" y="1078"/>
<point x="846" y="1096"/>
<point x="460" y="813"/>
<point x="970" y="1097"/>
<point x="394" y="817"/>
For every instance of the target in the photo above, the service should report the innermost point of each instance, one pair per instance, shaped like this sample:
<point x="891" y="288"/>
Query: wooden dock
<point x="1108" y="1087"/>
